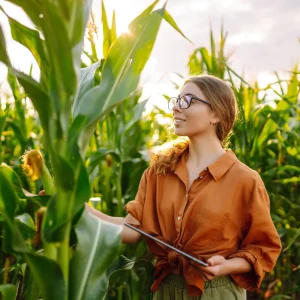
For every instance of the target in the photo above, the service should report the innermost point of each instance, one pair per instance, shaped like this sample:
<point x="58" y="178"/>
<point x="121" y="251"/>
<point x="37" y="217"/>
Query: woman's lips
<point x="178" y="121"/>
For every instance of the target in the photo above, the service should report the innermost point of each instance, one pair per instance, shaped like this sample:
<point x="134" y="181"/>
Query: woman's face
<point x="198" y="118"/>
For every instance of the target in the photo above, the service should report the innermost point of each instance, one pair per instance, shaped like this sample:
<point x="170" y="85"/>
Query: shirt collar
<point x="217" y="169"/>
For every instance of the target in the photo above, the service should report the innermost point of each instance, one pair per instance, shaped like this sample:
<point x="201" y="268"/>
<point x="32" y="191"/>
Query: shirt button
<point x="186" y="195"/>
<point x="178" y="218"/>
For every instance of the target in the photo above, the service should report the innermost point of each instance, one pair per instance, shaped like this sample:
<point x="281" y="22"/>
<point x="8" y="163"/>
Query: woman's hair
<point x="223" y="102"/>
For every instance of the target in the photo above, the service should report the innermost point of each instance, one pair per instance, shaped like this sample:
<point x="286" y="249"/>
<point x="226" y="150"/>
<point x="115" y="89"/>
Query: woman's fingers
<point x="206" y="273"/>
<point x="216" y="260"/>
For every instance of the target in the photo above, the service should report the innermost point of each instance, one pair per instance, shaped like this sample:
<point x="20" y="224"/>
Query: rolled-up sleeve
<point x="261" y="244"/>
<point x="136" y="207"/>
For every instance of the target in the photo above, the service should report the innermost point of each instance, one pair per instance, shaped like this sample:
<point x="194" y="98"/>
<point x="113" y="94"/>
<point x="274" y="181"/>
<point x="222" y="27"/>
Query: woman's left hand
<point x="217" y="266"/>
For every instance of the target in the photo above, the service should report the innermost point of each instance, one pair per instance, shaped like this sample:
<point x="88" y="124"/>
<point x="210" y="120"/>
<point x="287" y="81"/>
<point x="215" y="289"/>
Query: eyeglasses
<point x="184" y="101"/>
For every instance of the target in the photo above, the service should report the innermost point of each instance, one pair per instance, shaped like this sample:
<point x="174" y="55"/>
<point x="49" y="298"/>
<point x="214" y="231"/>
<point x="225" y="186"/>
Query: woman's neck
<point x="204" y="151"/>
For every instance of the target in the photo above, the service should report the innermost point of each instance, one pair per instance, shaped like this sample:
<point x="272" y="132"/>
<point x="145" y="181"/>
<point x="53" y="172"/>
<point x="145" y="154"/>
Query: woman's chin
<point x="180" y="132"/>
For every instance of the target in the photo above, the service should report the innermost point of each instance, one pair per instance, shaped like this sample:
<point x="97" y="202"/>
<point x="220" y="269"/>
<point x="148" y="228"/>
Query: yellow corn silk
<point x="32" y="164"/>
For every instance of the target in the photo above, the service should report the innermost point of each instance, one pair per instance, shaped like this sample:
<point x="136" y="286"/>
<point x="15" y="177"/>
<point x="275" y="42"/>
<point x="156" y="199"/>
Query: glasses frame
<point x="193" y="97"/>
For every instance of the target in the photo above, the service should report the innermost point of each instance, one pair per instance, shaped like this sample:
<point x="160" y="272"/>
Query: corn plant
<point x="116" y="160"/>
<point x="68" y="113"/>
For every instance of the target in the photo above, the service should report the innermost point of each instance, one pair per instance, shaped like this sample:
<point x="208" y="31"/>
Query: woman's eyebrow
<point x="187" y="94"/>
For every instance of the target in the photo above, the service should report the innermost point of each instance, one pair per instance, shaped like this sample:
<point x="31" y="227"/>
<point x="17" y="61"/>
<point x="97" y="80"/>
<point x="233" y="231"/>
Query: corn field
<point x="93" y="137"/>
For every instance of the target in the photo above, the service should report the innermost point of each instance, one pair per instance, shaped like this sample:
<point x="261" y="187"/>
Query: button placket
<point x="181" y="209"/>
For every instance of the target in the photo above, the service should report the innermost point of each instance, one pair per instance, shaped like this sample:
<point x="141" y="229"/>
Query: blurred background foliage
<point x="266" y="138"/>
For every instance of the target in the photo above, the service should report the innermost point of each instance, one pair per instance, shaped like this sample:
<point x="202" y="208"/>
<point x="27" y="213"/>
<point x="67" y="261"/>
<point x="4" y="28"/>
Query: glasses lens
<point x="185" y="101"/>
<point x="172" y="102"/>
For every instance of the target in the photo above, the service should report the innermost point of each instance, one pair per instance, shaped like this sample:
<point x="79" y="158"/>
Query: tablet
<point x="167" y="245"/>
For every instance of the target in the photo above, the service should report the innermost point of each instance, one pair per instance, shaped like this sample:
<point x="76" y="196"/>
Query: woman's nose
<point x="176" y="107"/>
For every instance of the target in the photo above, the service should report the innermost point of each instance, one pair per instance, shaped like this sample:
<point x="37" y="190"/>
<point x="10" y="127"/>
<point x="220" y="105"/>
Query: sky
<point x="263" y="36"/>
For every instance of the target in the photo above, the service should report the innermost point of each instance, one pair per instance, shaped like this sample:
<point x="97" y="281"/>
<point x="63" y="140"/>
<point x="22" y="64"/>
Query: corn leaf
<point x="63" y="76"/>
<point x="3" y="53"/>
<point x="48" y="276"/>
<point x="113" y="30"/>
<point x="8" y="291"/>
<point x="38" y="97"/>
<point x="168" y="18"/>
<point x="32" y="8"/>
<point x="50" y="282"/>
<point x="12" y="240"/>
<point x="29" y="289"/>
<point x="2" y="123"/>
<point x="66" y="204"/>
<point x="26" y="226"/>
<point x="123" y="265"/>
<point x="296" y="235"/>
<point x="106" y="32"/>
<point x="137" y="115"/>
<point x="30" y="39"/>
<point x="87" y="80"/>
<point x="98" y="244"/>
<point x="121" y="73"/>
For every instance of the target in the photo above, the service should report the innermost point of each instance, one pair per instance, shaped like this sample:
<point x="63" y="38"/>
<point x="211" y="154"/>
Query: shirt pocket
<point x="205" y="228"/>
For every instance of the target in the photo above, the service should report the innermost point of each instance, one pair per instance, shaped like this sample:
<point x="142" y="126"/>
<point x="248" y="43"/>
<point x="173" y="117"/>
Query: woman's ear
<point x="215" y="119"/>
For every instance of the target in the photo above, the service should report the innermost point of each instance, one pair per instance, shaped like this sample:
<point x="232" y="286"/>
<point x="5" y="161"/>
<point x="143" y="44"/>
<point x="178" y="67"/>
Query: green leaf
<point x="106" y="31"/>
<point x="40" y="100"/>
<point x="137" y="115"/>
<point x="88" y="279"/>
<point x="80" y="12"/>
<point x="13" y="240"/>
<point x="25" y="225"/>
<point x="121" y="266"/>
<point x="113" y="30"/>
<point x="62" y="77"/>
<point x="168" y="18"/>
<point x="8" y="291"/>
<point x="87" y="80"/>
<point x="293" y="87"/>
<point x="32" y="8"/>
<point x="48" y="277"/>
<point x="67" y="202"/>
<point x="3" y="53"/>
<point x="99" y="155"/>
<point x="64" y="173"/>
<point x="121" y="71"/>
<point x="206" y="58"/>
<point x="30" y="39"/>
<point x="29" y="289"/>
<point x="2" y="124"/>
<point x="288" y="180"/>
<point x="214" y="64"/>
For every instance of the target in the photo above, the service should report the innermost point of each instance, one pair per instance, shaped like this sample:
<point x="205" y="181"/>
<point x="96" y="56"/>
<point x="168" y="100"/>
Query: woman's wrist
<point x="237" y="265"/>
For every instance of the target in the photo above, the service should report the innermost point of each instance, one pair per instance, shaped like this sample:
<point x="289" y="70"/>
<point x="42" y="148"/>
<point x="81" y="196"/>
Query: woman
<point x="201" y="199"/>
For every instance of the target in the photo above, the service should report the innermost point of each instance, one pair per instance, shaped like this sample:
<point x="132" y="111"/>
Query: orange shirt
<point x="226" y="212"/>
